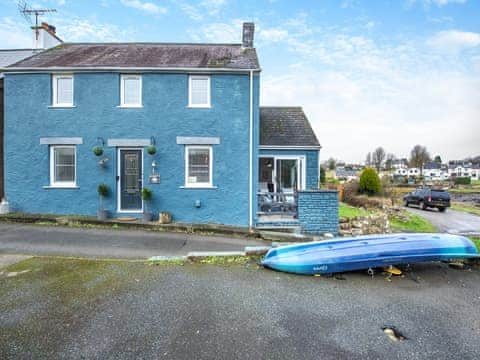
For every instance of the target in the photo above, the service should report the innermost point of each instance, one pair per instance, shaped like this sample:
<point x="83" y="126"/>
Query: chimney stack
<point x="247" y="34"/>
<point x="44" y="36"/>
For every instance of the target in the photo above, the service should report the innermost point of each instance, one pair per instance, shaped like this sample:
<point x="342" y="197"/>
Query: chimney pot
<point x="247" y="34"/>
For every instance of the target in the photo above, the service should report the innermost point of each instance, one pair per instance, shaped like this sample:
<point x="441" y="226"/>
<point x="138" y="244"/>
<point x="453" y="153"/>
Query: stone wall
<point x="318" y="211"/>
<point x="364" y="225"/>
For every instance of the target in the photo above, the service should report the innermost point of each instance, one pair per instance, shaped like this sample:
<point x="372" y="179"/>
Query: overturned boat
<point x="365" y="252"/>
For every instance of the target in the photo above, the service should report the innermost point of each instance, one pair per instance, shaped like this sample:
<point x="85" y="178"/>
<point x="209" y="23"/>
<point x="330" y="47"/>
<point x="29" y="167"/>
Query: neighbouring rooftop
<point x="285" y="126"/>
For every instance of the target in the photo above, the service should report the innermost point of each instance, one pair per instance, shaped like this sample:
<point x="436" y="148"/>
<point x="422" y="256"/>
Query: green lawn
<point x="414" y="223"/>
<point x="347" y="211"/>
<point x="476" y="241"/>
<point x="466" y="208"/>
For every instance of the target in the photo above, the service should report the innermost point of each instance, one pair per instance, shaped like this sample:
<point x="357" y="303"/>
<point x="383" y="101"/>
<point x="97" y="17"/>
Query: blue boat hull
<point x="372" y="251"/>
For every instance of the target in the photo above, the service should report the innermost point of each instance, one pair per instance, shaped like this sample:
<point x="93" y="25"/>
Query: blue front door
<point x="130" y="176"/>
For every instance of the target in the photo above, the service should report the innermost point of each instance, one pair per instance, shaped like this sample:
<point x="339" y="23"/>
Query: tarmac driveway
<point x="104" y="243"/>
<point x="64" y="309"/>
<point x="451" y="221"/>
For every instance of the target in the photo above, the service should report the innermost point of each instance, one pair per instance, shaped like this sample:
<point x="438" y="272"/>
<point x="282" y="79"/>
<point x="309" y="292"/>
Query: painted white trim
<point x="62" y="184"/>
<point x="289" y="147"/>
<point x="119" y="181"/>
<point x="197" y="140"/>
<point x="210" y="167"/>
<point x="55" y="78"/>
<point x="199" y="77"/>
<point x="49" y="69"/>
<point x="124" y="77"/>
<point x="250" y="149"/>
<point x="61" y="141"/>
<point x="128" y="142"/>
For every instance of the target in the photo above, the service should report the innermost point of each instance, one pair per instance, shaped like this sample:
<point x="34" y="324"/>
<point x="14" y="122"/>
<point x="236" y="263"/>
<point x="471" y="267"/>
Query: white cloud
<point x="272" y="34"/>
<point x="202" y="9"/>
<point x="454" y="40"/>
<point x="14" y="34"/>
<point x="145" y="6"/>
<point x="360" y="93"/>
<point x="76" y="29"/>
<point x="439" y="3"/>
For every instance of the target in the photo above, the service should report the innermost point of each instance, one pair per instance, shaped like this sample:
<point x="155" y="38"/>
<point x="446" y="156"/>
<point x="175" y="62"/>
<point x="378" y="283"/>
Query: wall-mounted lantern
<point x="154" y="178"/>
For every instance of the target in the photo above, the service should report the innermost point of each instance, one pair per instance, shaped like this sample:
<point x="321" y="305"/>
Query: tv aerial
<point x="27" y="11"/>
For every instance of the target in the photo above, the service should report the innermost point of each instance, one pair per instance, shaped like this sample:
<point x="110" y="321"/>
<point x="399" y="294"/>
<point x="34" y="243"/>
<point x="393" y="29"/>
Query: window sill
<point x="61" y="106"/>
<point x="71" y="187"/>
<point x="199" y="106"/>
<point x="206" y="187"/>
<point x="130" y="106"/>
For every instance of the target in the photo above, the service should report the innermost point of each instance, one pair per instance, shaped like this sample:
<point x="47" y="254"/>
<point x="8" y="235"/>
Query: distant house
<point x="345" y="174"/>
<point x="44" y="37"/>
<point x="435" y="171"/>
<point x="399" y="164"/>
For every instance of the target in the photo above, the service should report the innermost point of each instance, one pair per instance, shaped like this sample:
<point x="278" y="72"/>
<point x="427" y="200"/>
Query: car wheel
<point x="442" y="209"/>
<point x="405" y="203"/>
<point x="422" y="205"/>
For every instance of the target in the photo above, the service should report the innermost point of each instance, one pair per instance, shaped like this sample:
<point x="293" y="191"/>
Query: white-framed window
<point x="63" y="164"/>
<point x="131" y="91"/>
<point x="62" y="90"/>
<point x="198" y="166"/>
<point x="199" y="91"/>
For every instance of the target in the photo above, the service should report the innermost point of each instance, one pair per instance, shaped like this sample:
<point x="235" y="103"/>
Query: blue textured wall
<point x="164" y="115"/>
<point x="318" y="211"/>
<point x="312" y="158"/>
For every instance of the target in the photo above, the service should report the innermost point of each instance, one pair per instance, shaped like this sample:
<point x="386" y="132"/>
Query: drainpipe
<point x="250" y="189"/>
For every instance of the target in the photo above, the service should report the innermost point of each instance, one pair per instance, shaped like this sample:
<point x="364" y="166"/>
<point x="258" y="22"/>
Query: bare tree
<point x="368" y="160"/>
<point x="419" y="156"/>
<point x="389" y="162"/>
<point x="332" y="163"/>
<point x="378" y="157"/>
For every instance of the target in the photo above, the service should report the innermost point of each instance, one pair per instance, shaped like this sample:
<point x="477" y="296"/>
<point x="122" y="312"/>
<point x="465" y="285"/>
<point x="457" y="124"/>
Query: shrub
<point x="369" y="182"/>
<point x="462" y="180"/>
<point x="103" y="190"/>
<point x="146" y="194"/>
<point x="322" y="175"/>
<point x="350" y="190"/>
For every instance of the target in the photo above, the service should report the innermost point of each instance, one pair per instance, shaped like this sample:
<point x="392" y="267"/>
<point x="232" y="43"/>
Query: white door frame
<point x="119" y="182"/>
<point x="301" y="168"/>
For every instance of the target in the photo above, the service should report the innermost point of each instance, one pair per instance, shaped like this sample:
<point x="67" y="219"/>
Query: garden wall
<point x="318" y="211"/>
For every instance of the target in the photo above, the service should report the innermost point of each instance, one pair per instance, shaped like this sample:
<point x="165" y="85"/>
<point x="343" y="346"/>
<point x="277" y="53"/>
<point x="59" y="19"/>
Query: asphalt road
<point x="124" y="311"/>
<point x="451" y="221"/>
<point x="104" y="243"/>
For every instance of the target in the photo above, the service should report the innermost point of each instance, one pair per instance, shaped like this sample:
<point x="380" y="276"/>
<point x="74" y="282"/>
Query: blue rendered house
<point x="183" y="120"/>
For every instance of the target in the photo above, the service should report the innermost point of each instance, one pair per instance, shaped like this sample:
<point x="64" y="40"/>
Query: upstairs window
<point x="62" y="86"/>
<point x="131" y="91"/>
<point x="198" y="166"/>
<point x="62" y="166"/>
<point x="199" y="91"/>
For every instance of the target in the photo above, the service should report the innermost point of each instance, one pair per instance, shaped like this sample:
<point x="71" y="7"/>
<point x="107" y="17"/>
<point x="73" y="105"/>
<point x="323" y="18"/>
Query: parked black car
<point x="428" y="198"/>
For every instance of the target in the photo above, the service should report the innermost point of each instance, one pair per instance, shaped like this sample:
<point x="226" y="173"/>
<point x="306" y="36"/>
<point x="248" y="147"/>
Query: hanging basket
<point x="98" y="151"/>
<point x="151" y="150"/>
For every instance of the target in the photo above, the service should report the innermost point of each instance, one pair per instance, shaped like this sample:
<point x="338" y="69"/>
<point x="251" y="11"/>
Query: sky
<point x="391" y="73"/>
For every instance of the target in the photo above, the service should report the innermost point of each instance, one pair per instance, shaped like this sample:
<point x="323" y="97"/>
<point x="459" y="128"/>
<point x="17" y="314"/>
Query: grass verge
<point x="476" y="241"/>
<point x="466" y="208"/>
<point x="347" y="211"/>
<point x="410" y="223"/>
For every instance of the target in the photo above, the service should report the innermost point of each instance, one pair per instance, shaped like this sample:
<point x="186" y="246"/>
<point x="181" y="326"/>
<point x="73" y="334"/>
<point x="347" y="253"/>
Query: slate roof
<point x="432" y="165"/>
<point x="144" y="55"/>
<point x="285" y="126"/>
<point x="11" y="56"/>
